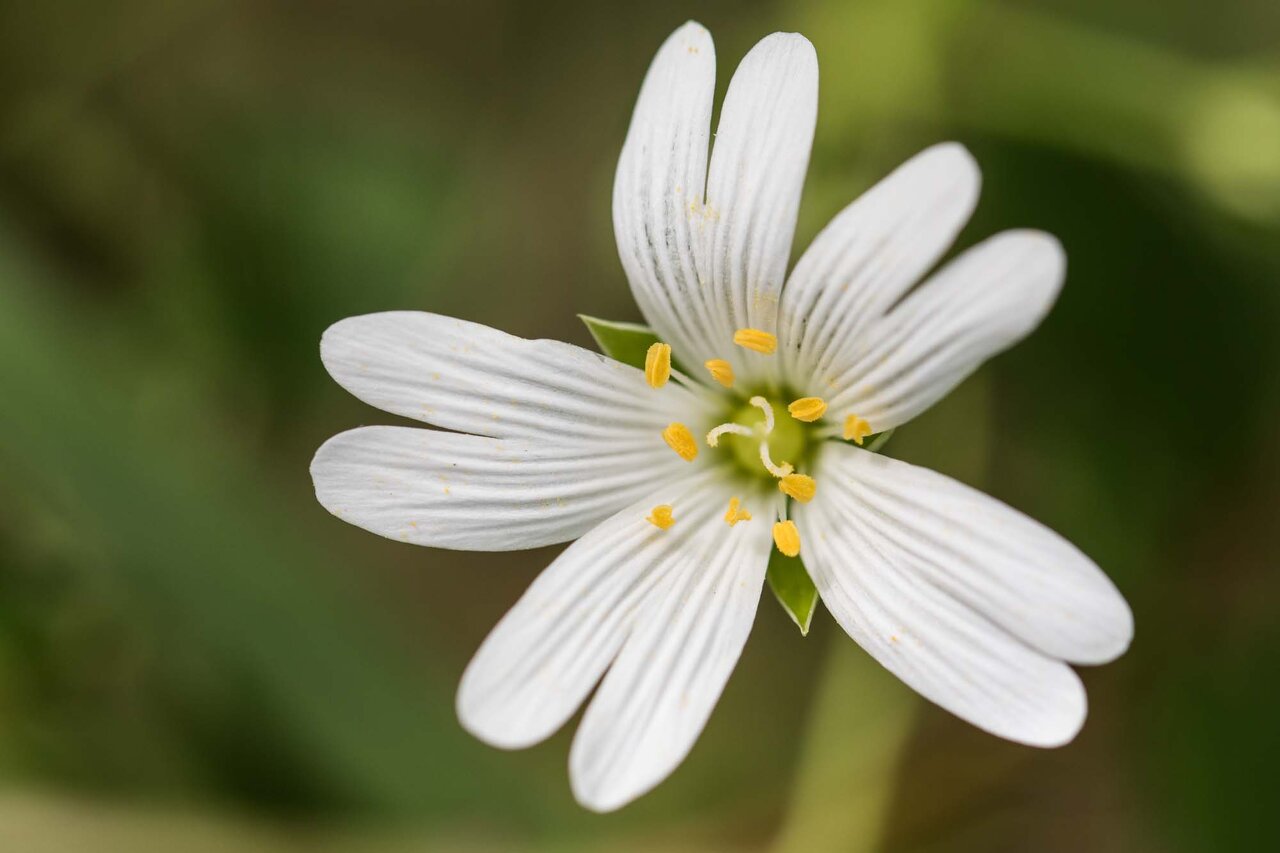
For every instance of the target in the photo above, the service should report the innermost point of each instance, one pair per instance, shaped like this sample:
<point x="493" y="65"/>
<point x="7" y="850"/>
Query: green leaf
<point x="625" y="342"/>
<point x="793" y="588"/>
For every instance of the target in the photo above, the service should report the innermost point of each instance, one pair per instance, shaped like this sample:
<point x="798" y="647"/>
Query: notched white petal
<point x="659" y="186"/>
<point x="466" y="492"/>
<point x="468" y="377"/>
<point x="871" y="253"/>
<point x="757" y="172"/>
<point x="659" y="693"/>
<point x="971" y="603"/>
<point x="1002" y="563"/>
<point x="978" y="305"/>
<point x="706" y="250"/>
<point x="542" y="659"/>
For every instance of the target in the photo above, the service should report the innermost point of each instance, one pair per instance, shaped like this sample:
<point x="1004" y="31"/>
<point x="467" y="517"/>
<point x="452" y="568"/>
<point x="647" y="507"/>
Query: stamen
<point x="721" y="371"/>
<point x="736" y="513"/>
<point x="679" y="439"/>
<point x="661" y="517"/>
<point x="756" y="339"/>
<point x="799" y="486"/>
<point x="856" y="429"/>
<point x="657" y="365"/>
<point x="787" y="538"/>
<point x="776" y="470"/>
<point x="713" y="437"/>
<point x="808" y="409"/>
<point x="763" y="405"/>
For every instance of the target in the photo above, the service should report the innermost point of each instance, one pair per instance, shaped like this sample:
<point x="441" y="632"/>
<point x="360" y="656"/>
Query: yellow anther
<point x="736" y="513"/>
<point x="808" y="409"/>
<point x="756" y="339"/>
<point x="661" y="517"/>
<point x="679" y="439"/>
<point x="721" y="371"/>
<point x="856" y="429"/>
<point x="657" y="365"/>
<point x="799" y="486"/>
<point x="787" y="537"/>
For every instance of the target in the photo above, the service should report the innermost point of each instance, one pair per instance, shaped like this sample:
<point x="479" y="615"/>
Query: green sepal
<point x="879" y="440"/>
<point x="793" y="588"/>
<point x="789" y="579"/>
<point x="624" y="342"/>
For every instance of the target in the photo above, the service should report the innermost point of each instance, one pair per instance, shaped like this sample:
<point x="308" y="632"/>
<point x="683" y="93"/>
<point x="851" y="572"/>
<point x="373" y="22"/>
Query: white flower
<point x="972" y="604"/>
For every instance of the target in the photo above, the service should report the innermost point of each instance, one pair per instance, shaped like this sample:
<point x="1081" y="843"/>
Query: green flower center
<point x="787" y="442"/>
<point x="764" y="447"/>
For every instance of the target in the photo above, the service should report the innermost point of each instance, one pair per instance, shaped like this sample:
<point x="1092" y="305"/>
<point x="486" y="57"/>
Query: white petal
<point x="448" y="490"/>
<point x="871" y="254"/>
<point x="753" y="189"/>
<point x="468" y="377"/>
<point x="657" y="696"/>
<point x="981" y="303"/>
<point x="704" y="262"/>
<point x="1014" y="570"/>
<point x="662" y="171"/>
<point x="540" y="662"/>
<point x="964" y="599"/>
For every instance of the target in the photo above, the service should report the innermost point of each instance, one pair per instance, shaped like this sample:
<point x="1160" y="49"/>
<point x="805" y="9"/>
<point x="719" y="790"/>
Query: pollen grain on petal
<point x="660" y="517"/>
<point x="856" y="429"/>
<point x="679" y="439"/>
<point x="756" y="339"/>
<point x="737" y="512"/>
<point x="787" y="537"/>
<point x="808" y="409"/>
<point x="657" y="365"/>
<point x="802" y="487"/>
<point x="721" y="371"/>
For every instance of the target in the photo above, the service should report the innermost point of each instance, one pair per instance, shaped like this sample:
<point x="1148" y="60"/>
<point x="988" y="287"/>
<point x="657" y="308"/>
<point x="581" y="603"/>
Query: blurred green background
<point x="195" y="656"/>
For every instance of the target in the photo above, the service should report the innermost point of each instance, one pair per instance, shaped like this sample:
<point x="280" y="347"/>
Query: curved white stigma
<point x="763" y="405"/>
<point x="713" y="437"/>
<point x="778" y="471"/>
